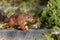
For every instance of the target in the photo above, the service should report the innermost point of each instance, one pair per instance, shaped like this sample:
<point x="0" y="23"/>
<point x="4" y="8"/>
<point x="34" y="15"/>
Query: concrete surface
<point x="20" y="35"/>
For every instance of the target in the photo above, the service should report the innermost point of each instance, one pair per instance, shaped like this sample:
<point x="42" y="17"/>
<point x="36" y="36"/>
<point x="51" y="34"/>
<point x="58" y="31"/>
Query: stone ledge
<point x="20" y="35"/>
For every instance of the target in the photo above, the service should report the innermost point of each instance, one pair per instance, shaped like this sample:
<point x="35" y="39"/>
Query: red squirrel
<point x="20" y="20"/>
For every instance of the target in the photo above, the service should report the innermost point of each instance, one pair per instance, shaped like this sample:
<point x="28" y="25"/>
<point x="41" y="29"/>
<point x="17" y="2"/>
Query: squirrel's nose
<point x="33" y="21"/>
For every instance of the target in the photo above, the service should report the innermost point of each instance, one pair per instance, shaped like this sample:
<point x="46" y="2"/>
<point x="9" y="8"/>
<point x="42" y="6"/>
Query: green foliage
<point x="50" y="36"/>
<point x="51" y="14"/>
<point x="4" y="3"/>
<point x="10" y="12"/>
<point x="32" y="8"/>
<point x="56" y="28"/>
<point x="53" y="35"/>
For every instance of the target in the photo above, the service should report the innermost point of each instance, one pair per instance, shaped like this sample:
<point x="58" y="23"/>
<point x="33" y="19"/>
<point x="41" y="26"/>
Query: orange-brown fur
<point x="19" y="19"/>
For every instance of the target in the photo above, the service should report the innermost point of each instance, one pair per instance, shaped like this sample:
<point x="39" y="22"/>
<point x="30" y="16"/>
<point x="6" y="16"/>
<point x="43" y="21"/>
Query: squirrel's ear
<point x="25" y="11"/>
